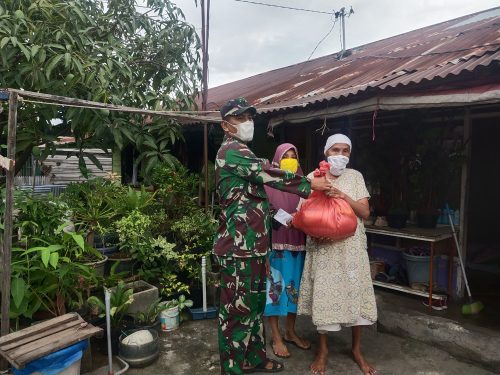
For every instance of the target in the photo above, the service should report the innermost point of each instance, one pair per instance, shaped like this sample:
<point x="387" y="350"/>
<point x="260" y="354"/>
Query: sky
<point x="247" y="39"/>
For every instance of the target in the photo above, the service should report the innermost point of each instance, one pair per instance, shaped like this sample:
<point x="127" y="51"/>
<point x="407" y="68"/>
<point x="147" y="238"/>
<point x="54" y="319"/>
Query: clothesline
<point x="191" y="117"/>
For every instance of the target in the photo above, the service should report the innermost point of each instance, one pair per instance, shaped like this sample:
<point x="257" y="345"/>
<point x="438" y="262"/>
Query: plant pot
<point x="427" y="219"/>
<point x="107" y="250"/>
<point x="169" y="319"/>
<point x="126" y="263"/>
<point x="99" y="266"/>
<point x="397" y="221"/>
<point x="144" y="295"/>
<point x="105" y="241"/>
<point x="139" y="355"/>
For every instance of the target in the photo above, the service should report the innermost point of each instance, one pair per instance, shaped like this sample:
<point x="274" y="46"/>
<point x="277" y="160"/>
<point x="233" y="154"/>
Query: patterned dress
<point x="336" y="286"/>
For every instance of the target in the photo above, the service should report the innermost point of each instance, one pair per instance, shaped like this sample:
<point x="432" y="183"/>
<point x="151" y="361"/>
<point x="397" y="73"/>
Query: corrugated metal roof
<point x="438" y="51"/>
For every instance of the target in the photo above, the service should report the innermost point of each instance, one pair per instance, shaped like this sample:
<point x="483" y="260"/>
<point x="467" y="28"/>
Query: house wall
<point x="64" y="170"/>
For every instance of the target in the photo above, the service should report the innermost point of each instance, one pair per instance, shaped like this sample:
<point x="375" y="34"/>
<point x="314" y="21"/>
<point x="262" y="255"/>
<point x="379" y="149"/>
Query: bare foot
<point x="366" y="367"/>
<point x="319" y="364"/>
<point x="299" y="342"/>
<point x="279" y="348"/>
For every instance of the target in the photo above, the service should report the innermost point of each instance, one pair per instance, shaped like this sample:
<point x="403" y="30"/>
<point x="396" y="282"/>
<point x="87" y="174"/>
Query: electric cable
<point x="283" y="7"/>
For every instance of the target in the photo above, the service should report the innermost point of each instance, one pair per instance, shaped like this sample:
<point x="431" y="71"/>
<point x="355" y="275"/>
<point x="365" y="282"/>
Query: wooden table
<point x="39" y="340"/>
<point x="420" y="234"/>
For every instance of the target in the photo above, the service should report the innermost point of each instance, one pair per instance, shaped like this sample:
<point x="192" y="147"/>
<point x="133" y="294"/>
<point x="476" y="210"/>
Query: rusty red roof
<point x="443" y="50"/>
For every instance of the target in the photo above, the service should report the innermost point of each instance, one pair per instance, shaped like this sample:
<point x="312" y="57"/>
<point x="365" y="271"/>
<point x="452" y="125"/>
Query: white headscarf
<point x="337" y="138"/>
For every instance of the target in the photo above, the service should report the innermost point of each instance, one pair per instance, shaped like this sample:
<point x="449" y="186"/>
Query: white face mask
<point x="337" y="164"/>
<point x="244" y="131"/>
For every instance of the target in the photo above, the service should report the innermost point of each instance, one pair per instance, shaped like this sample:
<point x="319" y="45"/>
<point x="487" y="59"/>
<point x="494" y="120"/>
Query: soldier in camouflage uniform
<point x="242" y="240"/>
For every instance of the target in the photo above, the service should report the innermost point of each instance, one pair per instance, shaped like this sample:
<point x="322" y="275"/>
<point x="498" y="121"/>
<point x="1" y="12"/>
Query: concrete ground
<point x="192" y="349"/>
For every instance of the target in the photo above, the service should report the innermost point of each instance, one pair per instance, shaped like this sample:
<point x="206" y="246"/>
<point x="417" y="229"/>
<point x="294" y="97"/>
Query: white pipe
<point x="125" y="368"/>
<point x="204" y="281"/>
<point x="107" y="301"/>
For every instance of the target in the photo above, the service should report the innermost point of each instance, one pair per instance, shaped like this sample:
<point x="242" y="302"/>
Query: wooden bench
<point x="24" y="346"/>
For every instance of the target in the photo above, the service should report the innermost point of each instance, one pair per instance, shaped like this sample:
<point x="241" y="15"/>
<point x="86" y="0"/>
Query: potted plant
<point x="135" y="238"/>
<point x="194" y="235"/>
<point x="143" y="294"/>
<point x="93" y="204"/>
<point x="149" y="318"/>
<point x="170" y="317"/>
<point x="157" y="259"/>
<point x="45" y="279"/>
<point x="120" y="301"/>
<point x="176" y="191"/>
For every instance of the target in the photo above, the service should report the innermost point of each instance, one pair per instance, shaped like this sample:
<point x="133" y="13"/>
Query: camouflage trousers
<point x="242" y="302"/>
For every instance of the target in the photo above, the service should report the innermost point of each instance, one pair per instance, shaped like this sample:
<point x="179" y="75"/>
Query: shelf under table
<point x="407" y="289"/>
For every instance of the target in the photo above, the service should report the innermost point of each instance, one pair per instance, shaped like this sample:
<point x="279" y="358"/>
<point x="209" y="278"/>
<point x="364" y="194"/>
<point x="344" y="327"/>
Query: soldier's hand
<point x="320" y="183"/>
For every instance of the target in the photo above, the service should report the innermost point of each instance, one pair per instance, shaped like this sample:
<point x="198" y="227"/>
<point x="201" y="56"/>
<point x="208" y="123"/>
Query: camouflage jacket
<point x="244" y="222"/>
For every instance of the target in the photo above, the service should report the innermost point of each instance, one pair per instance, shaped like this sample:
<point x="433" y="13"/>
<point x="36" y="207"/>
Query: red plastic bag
<point x="324" y="217"/>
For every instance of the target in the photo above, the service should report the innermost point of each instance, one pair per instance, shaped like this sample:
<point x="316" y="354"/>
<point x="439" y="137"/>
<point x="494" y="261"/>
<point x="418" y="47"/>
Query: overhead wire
<point x="317" y="45"/>
<point x="283" y="7"/>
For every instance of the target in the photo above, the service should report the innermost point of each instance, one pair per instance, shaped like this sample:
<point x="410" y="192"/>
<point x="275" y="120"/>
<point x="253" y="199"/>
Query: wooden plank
<point x="37" y="336"/>
<point x="58" y="339"/>
<point x="40" y="327"/>
<point x="6" y="163"/>
<point x="58" y="342"/>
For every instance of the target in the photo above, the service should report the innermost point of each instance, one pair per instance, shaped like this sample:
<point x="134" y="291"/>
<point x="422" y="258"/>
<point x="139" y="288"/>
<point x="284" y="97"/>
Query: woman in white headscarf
<point x="336" y="286"/>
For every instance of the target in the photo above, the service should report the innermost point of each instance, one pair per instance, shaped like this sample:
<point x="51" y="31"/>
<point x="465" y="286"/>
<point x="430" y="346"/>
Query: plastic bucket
<point x="417" y="268"/>
<point x="169" y="319"/>
<point x="63" y="362"/>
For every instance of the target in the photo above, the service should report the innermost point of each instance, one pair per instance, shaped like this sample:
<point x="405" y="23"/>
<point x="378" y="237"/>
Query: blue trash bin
<point x="54" y="363"/>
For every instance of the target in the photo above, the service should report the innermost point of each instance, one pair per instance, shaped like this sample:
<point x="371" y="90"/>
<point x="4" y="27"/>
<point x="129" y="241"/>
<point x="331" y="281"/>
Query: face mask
<point x="244" y="131"/>
<point x="337" y="164"/>
<point x="290" y="164"/>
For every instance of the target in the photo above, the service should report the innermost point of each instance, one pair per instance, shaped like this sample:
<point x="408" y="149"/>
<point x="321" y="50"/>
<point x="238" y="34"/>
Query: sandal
<point x="261" y="367"/>
<point x="296" y="344"/>
<point x="278" y="355"/>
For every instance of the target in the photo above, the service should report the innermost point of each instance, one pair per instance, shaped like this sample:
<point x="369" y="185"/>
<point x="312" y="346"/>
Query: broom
<point x="472" y="307"/>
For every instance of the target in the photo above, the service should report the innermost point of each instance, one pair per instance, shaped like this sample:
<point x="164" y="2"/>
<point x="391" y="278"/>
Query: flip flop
<point x="279" y="355"/>
<point x="297" y="345"/>
<point x="261" y="367"/>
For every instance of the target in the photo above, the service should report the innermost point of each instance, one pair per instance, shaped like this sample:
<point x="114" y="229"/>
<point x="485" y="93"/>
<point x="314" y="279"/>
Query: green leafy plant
<point x="134" y="233"/>
<point x="134" y="199"/>
<point x="160" y="258"/>
<point x="180" y="302"/>
<point x="101" y="52"/>
<point x="150" y="315"/>
<point x="120" y="301"/>
<point x="195" y="231"/>
<point x="194" y="235"/>
<point x="44" y="280"/>
<point x="171" y="285"/>
<point x="93" y="206"/>
<point x="177" y="190"/>
<point x="156" y="150"/>
<point x="39" y="217"/>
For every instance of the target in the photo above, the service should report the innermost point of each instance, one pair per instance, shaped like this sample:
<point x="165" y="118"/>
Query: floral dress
<point x="336" y="286"/>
